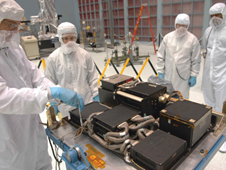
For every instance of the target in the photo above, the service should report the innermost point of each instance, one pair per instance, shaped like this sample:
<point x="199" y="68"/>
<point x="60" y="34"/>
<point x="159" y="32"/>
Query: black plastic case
<point x="158" y="151"/>
<point x="186" y="120"/>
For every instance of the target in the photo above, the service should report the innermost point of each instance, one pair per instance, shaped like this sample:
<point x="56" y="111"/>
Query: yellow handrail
<point x="104" y="71"/>
<point x="44" y="64"/>
<point x="125" y="65"/>
<point x="142" y="68"/>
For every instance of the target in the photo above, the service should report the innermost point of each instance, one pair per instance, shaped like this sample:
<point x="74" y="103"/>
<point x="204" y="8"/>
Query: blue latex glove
<point x="192" y="81"/>
<point x="96" y="98"/>
<point x="55" y="107"/>
<point x="69" y="97"/>
<point x="161" y="75"/>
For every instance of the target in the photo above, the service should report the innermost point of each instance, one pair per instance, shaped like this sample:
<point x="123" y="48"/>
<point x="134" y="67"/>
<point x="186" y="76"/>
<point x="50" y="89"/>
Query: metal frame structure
<point x="95" y="28"/>
<point x="125" y="13"/>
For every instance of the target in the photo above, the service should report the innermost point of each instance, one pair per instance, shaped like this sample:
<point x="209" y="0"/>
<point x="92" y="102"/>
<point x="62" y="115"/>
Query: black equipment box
<point x="186" y="120"/>
<point x="144" y="97"/>
<point x="87" y="111"/>
<point x="158" y="151"/>
<point x="110" y="119"/>
<point x="111" y="83"/>
<point x="107" y="97"/>
<point x="43" y="44"/>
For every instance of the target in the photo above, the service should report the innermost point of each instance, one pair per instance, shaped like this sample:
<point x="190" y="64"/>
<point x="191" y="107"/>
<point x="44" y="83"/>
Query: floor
<point x="100" y="57"/>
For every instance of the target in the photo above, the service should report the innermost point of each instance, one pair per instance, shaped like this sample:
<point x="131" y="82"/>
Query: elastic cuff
<point x="49" y="93"/>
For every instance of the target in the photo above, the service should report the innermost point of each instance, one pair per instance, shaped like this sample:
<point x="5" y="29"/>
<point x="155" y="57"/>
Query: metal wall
<point x="162" y="14"/>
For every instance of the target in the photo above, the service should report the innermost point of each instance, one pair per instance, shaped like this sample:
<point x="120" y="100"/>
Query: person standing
<point x="71" y="67"/>
<point x="24" y="93"/>
<point x="178" y="57"/>
<point x="214" y="74"/>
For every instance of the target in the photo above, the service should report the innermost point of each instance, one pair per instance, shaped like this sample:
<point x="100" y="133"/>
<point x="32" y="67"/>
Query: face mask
<point x="215" y="22"/>
<point x="181" y="31"/>
<point x="71" y="46"/>
<point x="9" y="39"/>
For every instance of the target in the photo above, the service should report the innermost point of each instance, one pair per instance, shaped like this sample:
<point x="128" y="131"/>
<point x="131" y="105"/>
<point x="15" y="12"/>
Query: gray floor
<point x="219" y="160"/>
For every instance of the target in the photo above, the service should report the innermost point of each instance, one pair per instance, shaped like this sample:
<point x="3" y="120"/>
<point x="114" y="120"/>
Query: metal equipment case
<point x="109" y="86"/>
<point x="186" y="120"/>
<point x="145" y="97"/>
<point x="87" y="111"/>
<point x="107" y="97"/>
<point x="111" y="83"/>
<point x="158" y="151"/>
<point x="110" y="119"/>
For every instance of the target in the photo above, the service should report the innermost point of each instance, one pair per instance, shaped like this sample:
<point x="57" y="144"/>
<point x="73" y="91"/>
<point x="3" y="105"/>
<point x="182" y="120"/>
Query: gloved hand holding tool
<point x="67" y="96"/>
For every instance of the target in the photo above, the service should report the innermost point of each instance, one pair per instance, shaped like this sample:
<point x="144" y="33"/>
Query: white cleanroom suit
<point x="178" y="57"/>
<point x="23" y="95"/>
<point x="24" y="92"/>
<point x="72" y="68"/>
<point x="214" y="75"/>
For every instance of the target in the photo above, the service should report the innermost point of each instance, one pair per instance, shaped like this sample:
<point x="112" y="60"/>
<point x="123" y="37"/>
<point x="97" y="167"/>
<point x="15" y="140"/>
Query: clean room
<point x="113" y="84"/>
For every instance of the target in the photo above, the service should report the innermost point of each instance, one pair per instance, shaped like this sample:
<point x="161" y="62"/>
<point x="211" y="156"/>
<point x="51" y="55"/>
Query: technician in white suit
<point x="24" y="92"/>
<point x="214" y="75"/>
<point x="178" y="57"/>
<point x="71" y="67"/>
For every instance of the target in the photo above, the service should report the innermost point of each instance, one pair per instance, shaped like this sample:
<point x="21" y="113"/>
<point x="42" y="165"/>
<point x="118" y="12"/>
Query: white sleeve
<point x="160" y="64"/>
<point x="26" y="100"/>
<point x="37" y="78"/>
<point x="92" y="77"/>
<point x="50" y="72"/>
<point x="22" y="101"/>
<point x="195" y="58"/>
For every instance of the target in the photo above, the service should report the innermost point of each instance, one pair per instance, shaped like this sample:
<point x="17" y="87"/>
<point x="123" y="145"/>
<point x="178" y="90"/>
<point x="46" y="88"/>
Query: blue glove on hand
<point x="96" y="98"/>
<point x="70" y="97"/>
<point x="55" y="107"/>
<point x="161" y="75"/>
<point x="192" y="81"/>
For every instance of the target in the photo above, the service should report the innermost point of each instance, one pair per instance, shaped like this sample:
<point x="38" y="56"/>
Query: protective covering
<point x="47" y="18"/>
<point x="178" y="58"/>
<point x="215" y="21"/>
<point x="75" y="71"/>
<point x="214" y="75"/>
<point x="160" y="81"/>
<point x="9" y="38"/>
<point x="182" y="19"/>
<point x="23" y="96"/>
<point x="66" y="28"/>
<point x="9" y="9"/>
<point x="69" y="47"/>
<point x="217" y="8"/>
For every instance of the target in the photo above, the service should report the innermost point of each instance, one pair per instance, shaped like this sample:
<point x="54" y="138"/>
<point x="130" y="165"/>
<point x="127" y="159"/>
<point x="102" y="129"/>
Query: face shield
<point x="182" y="22"/>
<point x="215" y="11"/>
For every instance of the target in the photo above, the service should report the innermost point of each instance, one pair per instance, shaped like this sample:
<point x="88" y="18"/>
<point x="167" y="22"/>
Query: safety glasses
<point x="12" y="26"/>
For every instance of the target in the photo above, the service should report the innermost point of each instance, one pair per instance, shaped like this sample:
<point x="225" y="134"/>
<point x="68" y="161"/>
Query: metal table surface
<point x="195" y="160"/>
<point x="112" y="160"/>
<point x="210" y="145"/>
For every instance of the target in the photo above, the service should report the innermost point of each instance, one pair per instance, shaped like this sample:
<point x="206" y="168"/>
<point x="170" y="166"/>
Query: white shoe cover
<point x="223" y="148"/>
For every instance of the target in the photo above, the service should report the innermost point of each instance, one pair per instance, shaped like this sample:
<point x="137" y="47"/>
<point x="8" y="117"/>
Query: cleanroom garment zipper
<point x="216" y="34"/>
<point x="71" y="67"/>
